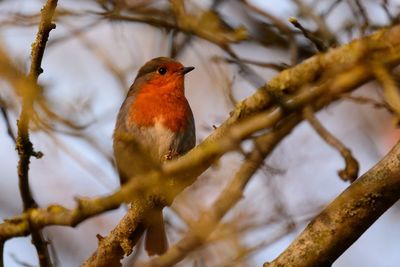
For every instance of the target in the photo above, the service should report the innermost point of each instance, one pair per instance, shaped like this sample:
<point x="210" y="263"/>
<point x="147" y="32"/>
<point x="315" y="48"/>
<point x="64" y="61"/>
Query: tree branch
<point x="390" y="90"/>
<point x="340" y="224"/>
<point x="350" y="172"/>
<point x="23" y="143"/>
<point x="318" y="43"/>
<point x="7" y="121"/>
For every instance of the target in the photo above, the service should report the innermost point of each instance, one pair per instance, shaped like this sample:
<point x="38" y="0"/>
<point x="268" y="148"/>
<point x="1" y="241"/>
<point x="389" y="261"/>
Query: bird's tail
<point x="156" y="239"/>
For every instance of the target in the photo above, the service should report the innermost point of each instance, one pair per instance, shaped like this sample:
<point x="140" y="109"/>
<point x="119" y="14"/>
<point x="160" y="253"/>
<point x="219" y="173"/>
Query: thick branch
<point x="341" y="223"/>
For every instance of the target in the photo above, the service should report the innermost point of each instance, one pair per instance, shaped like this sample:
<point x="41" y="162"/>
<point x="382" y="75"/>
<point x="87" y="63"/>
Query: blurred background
<point x="92" y="58"/>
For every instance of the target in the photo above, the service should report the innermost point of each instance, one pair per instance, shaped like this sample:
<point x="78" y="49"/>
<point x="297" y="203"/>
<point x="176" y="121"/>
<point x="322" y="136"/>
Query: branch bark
<point x="23" y="143"/>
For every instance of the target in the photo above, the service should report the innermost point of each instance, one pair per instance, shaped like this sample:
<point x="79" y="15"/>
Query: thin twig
<point x="350" y="172"/>
<point x="274" y="66"/>
<point x="331" y="8"/>
<point x="385" y="8"/>
<point x="363" y="15"/>
<point x="246" y="72"/>
<point x="7" y="122"/>
<point x="282" y="26"/>
<point x="390" y="90"/>
<point x="319" y="44"/>
<point x="366" y="100"/>
<point x="323" y="28"/>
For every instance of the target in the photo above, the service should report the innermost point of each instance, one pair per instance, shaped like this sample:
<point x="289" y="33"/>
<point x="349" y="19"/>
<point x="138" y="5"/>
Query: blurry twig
<point x="366" y="100"/>
<point x="390" y="90"/>
<point x="364" y="16"/>
<point x="50" y="114"/>
<point x="332" y="6"/>
<point x="281" y="25"/>
<point x="350" y="172"/>
<point x="104" y="58"/>
<point x="279" y="206"/>
<point x="206" y="25"/>
<point x="319" y="44"/>
<point x="77" y="156"/>
<point x="23" y="143"/>
<point x="74" y="32"/>
<point x="7" y="121"/>
<point x="359" y="12"/>
<point x="19" y="19"/>
<point x="283" y="231"/>
<point x="246" y="72"/>
<point x="385" y="8"/>
<point x="177" y="47"/>
<point x="323" y="28"/>
<point x="274" y="66"/>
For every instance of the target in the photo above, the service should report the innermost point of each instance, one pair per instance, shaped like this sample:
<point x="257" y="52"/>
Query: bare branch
<point x="366" y="100"/>
<point x="323" y="28"/>
<point x="319" y="44"/>
<point x="281" y="25"/>
<point x="7" y="121"/>
<point x="42" y="36"/>
<point x="347" y="217"/>
<point x="390" y="89"/>
<point x="23" y="144"/>
<point x="350" y="172"/>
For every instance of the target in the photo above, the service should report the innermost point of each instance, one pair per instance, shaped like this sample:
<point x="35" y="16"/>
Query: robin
<point x="157" y="118"/>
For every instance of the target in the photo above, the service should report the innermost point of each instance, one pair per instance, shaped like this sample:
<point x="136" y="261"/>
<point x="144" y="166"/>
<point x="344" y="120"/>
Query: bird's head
<point x="161" y="74"/>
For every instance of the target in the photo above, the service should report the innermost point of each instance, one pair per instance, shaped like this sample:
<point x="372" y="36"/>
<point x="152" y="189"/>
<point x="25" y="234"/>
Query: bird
<point x="156" y="118"/>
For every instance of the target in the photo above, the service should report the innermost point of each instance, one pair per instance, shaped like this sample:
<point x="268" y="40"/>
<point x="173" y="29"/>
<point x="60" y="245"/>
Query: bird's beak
<point x="187" y="69"/>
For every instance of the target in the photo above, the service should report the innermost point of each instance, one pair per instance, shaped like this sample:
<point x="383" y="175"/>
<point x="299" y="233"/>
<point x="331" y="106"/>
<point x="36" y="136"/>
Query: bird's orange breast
<point x="153" y="105"/>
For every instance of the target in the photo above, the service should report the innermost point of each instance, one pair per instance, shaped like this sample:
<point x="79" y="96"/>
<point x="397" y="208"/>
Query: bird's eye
<point x="162" y="70"/>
